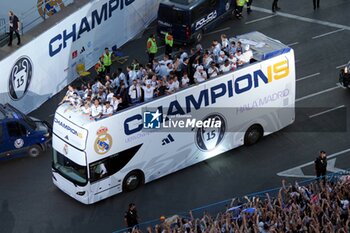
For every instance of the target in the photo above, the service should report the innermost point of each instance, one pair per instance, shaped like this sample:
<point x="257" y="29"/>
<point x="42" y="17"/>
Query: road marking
<point x="295" y="43"/>
<point x="220" y="30"/>
<point x="341" y="86"/>
<point x="331" y="166"/>
<point x="260" y="19"/>
<point x="317" y="93"/>
<point x="341" y="66"/>
<point x="309" y="76"/>
<point x="297" y="171"/>
<point x="328" y="33"/>
<point x="304" y="19"/>
<point x="326" y="111"/>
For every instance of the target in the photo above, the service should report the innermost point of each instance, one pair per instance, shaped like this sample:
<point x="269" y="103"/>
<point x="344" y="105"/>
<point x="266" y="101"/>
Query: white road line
<point x="328" y="33"/>
<point x="295" y="43"/>
<point x="327" y="111"/>
<point x="317" y="93"/>
<point x="220" y="30"/>
<point x="309" y="76"/>
<point x="341" y="66"/>
<point x="260" y="19"/>
<point x="341" y="86"/>
<point x="301" y="18"/>
<point x="297" y="172"/>
<point x="331" y="166"/>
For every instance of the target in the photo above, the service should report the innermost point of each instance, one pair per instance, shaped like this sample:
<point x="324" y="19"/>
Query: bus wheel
<point x="34" y="151"/>
<point x="133" y="180"/>
<point x="199" y="37"/>
<point x="253" y="134"/>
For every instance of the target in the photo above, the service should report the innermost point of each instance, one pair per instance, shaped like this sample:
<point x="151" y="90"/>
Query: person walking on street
<point x="249" y="3"/>
<point x="107" y="60"/>
<point x="14" y="28"/>
<point x="321" y="166"/>
<point x="131" y="217"/>
<point x="169" y="42"/>
<point x="274" y="6"/>
<point x="316" y="4"/>
<point x="151" y="48"/>
<point x="239" y="8"/>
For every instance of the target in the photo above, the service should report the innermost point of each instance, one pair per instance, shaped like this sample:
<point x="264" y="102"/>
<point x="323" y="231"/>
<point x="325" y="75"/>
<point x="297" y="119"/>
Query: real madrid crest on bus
<point x="49" y="8"/>
<point x="20" y="77"/>
<point x="103" y="142"/>
<point x="208" y="138"/>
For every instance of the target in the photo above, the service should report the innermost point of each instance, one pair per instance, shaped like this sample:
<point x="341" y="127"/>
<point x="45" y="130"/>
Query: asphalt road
<point x="31" y="203"/>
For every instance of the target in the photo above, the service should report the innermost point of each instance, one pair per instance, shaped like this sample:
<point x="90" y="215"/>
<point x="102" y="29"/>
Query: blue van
<point x="188" y="19"/>
<point x="21" y="134"/>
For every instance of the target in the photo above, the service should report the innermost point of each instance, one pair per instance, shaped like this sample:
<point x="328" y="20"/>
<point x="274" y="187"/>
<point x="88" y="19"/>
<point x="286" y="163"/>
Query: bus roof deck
<point x="263" y="48"/>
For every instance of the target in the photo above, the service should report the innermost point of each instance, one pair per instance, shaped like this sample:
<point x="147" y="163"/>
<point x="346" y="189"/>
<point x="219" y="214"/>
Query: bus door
<point x="175" y="20"/>
<point x="102" y="182"/>
<point x="99" y="180"/>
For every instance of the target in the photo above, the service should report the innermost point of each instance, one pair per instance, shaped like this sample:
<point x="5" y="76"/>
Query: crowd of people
<point x="111" y="92"/>
<point x="316" y="208"/>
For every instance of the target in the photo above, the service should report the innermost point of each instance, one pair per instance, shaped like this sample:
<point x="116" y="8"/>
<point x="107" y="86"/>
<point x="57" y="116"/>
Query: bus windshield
<point x="69" y="169"/>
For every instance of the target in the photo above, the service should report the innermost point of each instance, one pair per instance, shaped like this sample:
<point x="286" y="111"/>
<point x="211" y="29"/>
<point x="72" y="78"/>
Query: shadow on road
<point x="7" y="219"/>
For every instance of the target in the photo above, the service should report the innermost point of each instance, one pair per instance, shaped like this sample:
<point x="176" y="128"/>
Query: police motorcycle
<point x="344" y="76"/>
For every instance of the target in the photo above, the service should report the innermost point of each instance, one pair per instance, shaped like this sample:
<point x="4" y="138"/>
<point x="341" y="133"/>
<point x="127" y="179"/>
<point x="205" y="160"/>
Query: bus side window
<point x="15" y="129"/>
<point x="98" y="170"/>
<point x="112" y="164"/>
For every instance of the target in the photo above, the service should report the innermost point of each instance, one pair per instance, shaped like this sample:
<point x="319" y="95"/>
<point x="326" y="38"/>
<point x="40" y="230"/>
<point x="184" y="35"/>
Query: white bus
<point x="93" y="160"/>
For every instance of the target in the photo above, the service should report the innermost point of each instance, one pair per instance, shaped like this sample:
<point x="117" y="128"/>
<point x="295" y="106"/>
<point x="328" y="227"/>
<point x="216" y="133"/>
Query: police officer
<point x="239" y="8"/>
<point x="321" y="166"/>
<point x="344" y="76"/>
<point x="151" y="48"/>
<point x="14" y="28"/>
<point x="169" y="41"/>
<point x="249" y="3"/>
<point x="316" y="5"/>
<point x="274" y="6"/>
<point x="107" y="60"/>
<point x="100" y="68"/>
<point x="131" y="217"/>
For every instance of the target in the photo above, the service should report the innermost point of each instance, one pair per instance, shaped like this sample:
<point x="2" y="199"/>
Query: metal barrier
<point x="3" y="33"/>
<point x="221" y="207"/>
<point x="2" y="27"/>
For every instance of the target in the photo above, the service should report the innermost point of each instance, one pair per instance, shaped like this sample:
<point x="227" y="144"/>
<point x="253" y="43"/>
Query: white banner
<point x="44" y="66"/>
